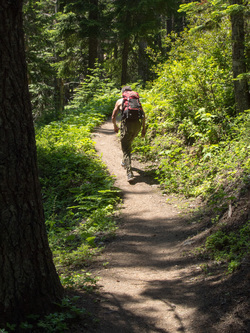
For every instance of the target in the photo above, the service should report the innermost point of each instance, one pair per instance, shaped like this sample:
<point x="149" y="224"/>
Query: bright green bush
<point x="194" y="90"/>
<point x="78" y="193"/>
<point x="194" y="136"/>
<point x="95" y="90"/>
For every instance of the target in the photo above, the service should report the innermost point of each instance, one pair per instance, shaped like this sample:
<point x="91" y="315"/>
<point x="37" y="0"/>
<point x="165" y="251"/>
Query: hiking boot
<point x="130" y="177"/>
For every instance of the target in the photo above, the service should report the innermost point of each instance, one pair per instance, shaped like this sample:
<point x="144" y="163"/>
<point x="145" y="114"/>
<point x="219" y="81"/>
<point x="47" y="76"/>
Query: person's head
<point x="126" y="88"/>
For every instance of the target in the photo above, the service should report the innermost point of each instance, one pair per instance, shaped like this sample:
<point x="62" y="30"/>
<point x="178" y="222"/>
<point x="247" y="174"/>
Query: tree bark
<point x="143" y="67"/>
<point x="58" y="83"/>
<point x="241" y="89"/>
<point x="28" y="280"/>
<point x="59" y="97"/>
<point x="93" y="33"/>
<point x="125" y="53"/>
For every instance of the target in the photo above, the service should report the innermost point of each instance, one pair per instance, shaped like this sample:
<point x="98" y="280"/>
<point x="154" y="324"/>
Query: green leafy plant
<point x="80" y="280"/>
<point x="232" y="246"/>
<point x="57" y="322"/>
<point x="78" y="193"/>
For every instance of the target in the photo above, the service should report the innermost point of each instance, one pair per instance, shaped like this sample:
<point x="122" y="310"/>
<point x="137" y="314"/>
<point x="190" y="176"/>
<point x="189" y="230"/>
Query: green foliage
<point x="38" y="20"/>
<point x="57" y="322"/>
<point x="64" y="38"/>
<point x="197" y="142"/>
<point x="95" y="85"/>
<point x="84" y="280"/>
<point x="79" y="202"/>
<point x="194" y="89"/>
<point x="78" y="194"/>
<point x="199" y="146"/>
<point x="200" y="169"/>
<point x="230" y="246"/>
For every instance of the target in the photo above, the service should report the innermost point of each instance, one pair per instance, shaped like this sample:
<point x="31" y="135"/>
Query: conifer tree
<point x="28" y="280"/>
<point x="241" y="88"/>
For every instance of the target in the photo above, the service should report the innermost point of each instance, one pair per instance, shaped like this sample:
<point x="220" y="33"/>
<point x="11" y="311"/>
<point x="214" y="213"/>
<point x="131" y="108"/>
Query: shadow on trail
<point x="212" y="299"/>
<point x="108" y="315"/>
<point x="157" y="245"/>
<point x="135" y="244"/>
<point x="147" y="177"/>
<point x="151" y="239"/>
<point x="120" y="320"/>
<point x="209" y="296"/>
<point x="104" y="131"/>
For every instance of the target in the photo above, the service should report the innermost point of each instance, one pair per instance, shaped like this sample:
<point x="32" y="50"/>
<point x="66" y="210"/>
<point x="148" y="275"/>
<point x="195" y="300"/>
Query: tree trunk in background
<point x="59" y="97"/>
<point x="93" y="33"/>
<point x="28" y="280"/>
<point x="143" y="69"/>
<point x="58" y="83"/>
<point x="125" y="53"/>
<point x="241" y="89"/>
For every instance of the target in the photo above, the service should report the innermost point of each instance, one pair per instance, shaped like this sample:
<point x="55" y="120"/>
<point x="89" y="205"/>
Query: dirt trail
<point x="147" y="285"/>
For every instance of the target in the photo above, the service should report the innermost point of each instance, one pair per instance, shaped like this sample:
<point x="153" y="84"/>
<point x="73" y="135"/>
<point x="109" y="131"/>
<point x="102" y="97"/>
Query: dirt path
<point x="148" y="285"/>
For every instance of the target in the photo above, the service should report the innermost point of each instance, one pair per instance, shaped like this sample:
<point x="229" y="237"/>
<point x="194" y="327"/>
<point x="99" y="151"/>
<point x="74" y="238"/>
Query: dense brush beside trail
<point x="78" y="193"/>
<point x="198" y="144"/>
<point x="193" y="129"/>
<point x="191" y="68"/>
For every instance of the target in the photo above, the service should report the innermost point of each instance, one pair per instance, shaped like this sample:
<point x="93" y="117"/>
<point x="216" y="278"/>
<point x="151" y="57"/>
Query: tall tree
<point x="241" y="89"/>
<point x="236" y="10"/>
<point x="93" y="33"/>
<point x="28" y="281"/>
<point x="39" y="18"/>
<point x="80" y="24"/>
<point x="137" y="22"/>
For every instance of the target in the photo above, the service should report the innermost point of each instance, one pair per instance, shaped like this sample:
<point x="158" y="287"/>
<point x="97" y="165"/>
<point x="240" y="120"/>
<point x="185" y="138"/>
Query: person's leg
<point x="129" y="130"/>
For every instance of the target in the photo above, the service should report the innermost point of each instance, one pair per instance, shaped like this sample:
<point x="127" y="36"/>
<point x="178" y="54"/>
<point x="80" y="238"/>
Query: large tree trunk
<point x="241" y="89"/>
<point x="28" y="280"/>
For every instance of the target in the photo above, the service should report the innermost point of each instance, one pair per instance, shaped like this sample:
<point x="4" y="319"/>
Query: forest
<point x="189" y="62"/>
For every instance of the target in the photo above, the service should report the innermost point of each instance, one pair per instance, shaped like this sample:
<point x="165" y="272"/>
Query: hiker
<point x="133" y="119"/>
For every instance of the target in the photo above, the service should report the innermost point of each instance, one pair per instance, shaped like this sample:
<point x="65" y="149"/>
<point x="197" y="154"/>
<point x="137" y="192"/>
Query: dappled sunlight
<point x="150" y="273"/>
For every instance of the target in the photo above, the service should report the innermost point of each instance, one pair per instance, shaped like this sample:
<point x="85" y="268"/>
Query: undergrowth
<point x="79" y="198"/>
<point x="196" y="141"/>
<point x="78" y="193"/>
<point x="197" y="145"/>
<point x="56" y="322"/>
<point x="230" y="246"/>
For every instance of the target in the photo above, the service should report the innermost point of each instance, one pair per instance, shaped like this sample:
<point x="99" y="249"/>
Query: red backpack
<point x="131" y="105"/>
